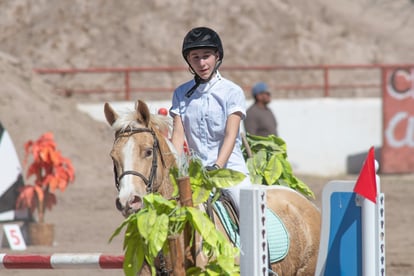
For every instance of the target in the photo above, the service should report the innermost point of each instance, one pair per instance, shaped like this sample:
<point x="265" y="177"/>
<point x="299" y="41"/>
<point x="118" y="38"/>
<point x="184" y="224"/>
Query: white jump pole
<point x="373" y="259"/>
<point x="380" y="227"/>
<point x="253" y="236"/>
<point x="368" y="210"/>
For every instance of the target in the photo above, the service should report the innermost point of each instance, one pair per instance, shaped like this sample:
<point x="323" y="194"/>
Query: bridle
<point x="150" y="180"/>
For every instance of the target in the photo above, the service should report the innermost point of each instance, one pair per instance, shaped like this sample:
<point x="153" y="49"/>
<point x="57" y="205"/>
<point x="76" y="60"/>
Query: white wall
<point x="320" y="133"/>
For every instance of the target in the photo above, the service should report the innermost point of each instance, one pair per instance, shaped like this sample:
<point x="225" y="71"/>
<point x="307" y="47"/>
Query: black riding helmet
<point x="202" y="37"/>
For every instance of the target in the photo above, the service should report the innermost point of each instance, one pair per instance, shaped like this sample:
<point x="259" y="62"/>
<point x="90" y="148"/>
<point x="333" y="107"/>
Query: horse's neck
<point x="169" y="155"/>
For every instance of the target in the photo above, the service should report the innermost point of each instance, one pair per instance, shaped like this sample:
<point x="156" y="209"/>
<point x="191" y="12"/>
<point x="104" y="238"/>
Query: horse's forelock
<point x="132" y="120"/>
<point x="127" y="120"/>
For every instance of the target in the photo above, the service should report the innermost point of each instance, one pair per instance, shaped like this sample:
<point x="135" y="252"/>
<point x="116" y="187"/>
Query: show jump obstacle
<point x="353" y="225"/>
<point x="352" y="234"/>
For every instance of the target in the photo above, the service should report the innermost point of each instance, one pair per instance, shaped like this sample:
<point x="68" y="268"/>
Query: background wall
<point x="321" y="134"/>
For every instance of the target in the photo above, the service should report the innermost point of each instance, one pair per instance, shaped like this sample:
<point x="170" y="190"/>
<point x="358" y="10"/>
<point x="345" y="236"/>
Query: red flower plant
<point x="50" y="170"/>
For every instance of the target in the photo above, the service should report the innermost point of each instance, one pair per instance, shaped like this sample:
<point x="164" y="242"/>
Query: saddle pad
<point x="232" y="229"/>
<point x="277" y="235"/>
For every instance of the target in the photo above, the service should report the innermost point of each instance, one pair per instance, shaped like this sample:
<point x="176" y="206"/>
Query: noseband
<point x="150" y="180"/>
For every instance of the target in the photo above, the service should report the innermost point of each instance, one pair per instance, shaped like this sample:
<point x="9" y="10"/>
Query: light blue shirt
<point x="204" y="115"/>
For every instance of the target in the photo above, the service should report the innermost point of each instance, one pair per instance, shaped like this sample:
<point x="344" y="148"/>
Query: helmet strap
<point x="199" y="80"/>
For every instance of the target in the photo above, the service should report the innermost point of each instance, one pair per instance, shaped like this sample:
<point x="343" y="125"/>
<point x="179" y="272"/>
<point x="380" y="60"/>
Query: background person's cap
<point x="259" y="88"/>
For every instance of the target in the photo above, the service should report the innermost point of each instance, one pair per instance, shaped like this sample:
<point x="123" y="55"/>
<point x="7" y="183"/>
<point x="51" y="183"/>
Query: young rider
<point x="207" y="110"/>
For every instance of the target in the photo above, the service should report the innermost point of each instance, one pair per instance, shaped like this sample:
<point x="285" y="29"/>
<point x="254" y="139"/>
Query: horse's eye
<point x="148" y="152"/>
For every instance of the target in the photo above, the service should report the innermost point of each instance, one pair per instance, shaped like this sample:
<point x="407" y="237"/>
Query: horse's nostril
<point x="135" y="203"/>
<point x="118" y="204"/>
<point x="135" y="200"/>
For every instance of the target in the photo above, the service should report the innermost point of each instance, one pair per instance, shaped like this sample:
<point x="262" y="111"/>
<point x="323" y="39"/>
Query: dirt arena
<point x="82" y="34"/>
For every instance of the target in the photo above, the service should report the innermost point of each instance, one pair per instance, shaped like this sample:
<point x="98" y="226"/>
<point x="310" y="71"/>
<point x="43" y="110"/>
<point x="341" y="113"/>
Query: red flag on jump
<point x="366" y="184"/>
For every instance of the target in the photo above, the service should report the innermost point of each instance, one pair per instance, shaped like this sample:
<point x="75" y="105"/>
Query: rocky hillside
<point x="139" y="33"/>
<point x="77" y="33"/>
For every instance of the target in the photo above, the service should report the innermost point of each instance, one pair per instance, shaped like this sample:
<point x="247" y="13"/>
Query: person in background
<point x="207" y="111"/>
<point x="260" y="120"/>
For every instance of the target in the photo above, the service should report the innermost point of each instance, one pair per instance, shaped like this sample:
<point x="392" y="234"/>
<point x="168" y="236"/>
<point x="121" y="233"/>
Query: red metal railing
<point x="324" y="84"/>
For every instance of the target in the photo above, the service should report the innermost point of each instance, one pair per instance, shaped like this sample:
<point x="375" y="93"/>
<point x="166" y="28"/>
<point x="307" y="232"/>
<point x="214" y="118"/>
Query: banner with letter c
<point x="397" y="154"/>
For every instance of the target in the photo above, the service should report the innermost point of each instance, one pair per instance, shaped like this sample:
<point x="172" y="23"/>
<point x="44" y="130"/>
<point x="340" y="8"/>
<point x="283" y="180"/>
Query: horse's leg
<point x="302" y="220"/>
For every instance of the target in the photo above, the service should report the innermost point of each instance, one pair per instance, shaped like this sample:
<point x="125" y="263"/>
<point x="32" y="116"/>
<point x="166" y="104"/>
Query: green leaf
<point x="173" y="174"/>
<point x="145" y="222"/>
<point x="269" y="143"/>
<point x="224" y="178"/>
<point x="259" y="161"/>
<point x="134" y="258"/>
<point x="131" y="231"/>
<point x="273" y="169"/>
<point x="158" y="235"/>
<point x="303" y="188"/>
<point x="118" y="230"/>
<point x="203" y="225"/>
<point x="269" y="164"/>
<point x="195" y="172"/>
<point x="159" y="203"/>
<point x="177" y="222"/>
<point x="200" y="195"/>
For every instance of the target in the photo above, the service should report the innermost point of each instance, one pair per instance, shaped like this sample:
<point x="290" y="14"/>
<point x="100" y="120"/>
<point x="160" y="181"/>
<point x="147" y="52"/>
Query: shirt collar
<point x="205" y="87"/>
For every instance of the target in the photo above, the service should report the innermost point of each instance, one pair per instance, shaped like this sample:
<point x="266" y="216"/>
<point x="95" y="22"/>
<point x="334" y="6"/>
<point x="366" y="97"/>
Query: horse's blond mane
<point x="132" y="120"/>
<point x="161" y="122"/>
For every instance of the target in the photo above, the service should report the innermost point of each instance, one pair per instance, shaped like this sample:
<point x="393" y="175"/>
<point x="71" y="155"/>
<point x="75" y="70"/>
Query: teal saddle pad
<point x="277" y="235"/>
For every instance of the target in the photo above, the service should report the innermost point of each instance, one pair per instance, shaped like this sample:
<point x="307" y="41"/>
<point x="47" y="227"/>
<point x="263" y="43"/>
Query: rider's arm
<point x="231" y="132"/>
<point x="177" y="137"/>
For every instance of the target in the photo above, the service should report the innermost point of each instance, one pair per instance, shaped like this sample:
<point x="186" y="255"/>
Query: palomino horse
<point x="142" y="157"/>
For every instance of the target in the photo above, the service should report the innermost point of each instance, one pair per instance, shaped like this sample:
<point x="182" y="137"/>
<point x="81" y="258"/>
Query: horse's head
<point x="141" y="156"/>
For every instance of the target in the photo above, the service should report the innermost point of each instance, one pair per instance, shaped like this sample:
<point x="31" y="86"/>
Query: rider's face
<point x="203" y="61"/>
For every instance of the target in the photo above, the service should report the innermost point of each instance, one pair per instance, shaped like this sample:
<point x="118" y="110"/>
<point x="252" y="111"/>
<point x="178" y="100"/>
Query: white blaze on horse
<point x="143" y="156"/>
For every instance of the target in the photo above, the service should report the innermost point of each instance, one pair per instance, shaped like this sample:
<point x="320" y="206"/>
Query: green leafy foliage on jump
<point x="147" y="231"/>
<point x="205" y="183"/>
<point x="268" y="164"/>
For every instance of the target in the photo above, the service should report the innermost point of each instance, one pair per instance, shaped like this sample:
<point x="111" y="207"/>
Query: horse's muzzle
<point x="133" y="205"/>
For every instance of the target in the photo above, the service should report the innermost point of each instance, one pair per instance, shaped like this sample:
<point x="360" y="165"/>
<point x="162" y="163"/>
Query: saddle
<point x="228" y="213"/>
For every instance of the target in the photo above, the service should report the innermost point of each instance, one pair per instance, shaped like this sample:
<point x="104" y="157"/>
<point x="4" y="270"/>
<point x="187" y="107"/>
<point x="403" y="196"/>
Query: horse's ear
<point x="143" y="110"/>
<point x="110" y="114"/>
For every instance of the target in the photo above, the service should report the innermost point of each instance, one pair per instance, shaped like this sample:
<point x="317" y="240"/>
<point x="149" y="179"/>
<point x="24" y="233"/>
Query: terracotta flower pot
<point x="41" y="233"/>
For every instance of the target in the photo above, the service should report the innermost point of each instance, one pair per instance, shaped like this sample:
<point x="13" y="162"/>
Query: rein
<point x="150" y="180"/>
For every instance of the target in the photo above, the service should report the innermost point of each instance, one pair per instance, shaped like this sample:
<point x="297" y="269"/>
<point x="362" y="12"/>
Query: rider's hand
<point x="212" y="167"/>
